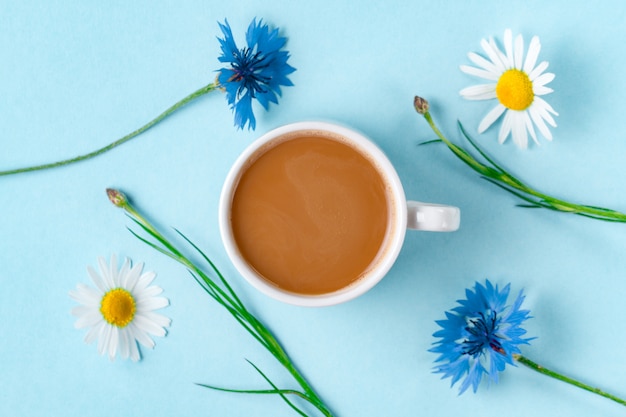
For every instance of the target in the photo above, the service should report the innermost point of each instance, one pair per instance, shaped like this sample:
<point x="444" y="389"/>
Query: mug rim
<point x="391" y="247"/>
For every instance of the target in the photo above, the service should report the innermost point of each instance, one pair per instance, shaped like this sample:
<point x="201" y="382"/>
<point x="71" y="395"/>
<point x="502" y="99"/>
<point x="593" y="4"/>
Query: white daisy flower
<point x="120" y="310"/>
<point x="517" y="84"/>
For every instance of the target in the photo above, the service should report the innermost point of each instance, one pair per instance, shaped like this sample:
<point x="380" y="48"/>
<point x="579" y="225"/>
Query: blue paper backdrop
<point x="76" y="75"/>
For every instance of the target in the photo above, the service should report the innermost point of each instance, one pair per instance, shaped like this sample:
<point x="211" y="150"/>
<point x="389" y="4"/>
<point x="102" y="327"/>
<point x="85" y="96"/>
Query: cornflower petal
<point x="256" y="71"/>
<point x="479" y="337"/>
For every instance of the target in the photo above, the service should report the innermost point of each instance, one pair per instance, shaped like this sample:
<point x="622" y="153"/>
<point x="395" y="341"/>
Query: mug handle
<point x="432" y="217"/>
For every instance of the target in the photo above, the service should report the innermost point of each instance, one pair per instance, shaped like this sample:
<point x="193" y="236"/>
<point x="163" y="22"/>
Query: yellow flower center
<point x="515" y="90"/>
<point x="118" y="307"/>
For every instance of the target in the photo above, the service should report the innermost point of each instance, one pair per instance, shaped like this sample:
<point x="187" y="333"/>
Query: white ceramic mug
<point x="403" y="214"/>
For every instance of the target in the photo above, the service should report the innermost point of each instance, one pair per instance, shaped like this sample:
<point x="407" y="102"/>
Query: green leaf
<point x="500" y="177"/>
<point x="276" y="389"/>
<point x="232" y="303"/>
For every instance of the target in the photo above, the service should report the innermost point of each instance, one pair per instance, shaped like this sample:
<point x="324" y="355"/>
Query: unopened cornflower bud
<point x="117" y="197"/>
<point x="421" y="105"/>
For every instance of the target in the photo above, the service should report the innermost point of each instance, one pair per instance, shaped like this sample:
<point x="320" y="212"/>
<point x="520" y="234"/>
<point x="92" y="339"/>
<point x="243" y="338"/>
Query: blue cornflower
<point x="256" y="71"/>
<point x="480" y="336"/>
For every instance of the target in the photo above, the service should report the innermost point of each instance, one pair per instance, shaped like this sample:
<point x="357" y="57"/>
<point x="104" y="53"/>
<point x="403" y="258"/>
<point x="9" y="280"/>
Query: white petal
<point x="493" y="55"/>
<point x="113" y="271"/>
<point x="122" y="275"/>
<point x="158" y="319"/>
<point x="544" y="110"/>
<point x="478" y="72"/>
<point x="529" y="127"/>
<point x="538" y="120"/>
<point x="149" y="292"/>
<point x="518" y="53"/>
<point x="501" y="55"/>
<point x="483" y="63"/>
<point x="144" y="281"/>
<point x="103" y="338"/>
<point x="541" y="90"/>
<point x="114" y="341"/>
<point x="491" y="117"/>
<point x="133" y="277"/>
<point x="533" y="53"/>
<point x="543" y="79"/>
<point x="134" y="351"/>
<point x="88" y="320"/>
<point x="508" y="47"/>
<point x="518" y="129"/>
<point x="550" y="109"/>
<point x="538" y="70"/>
<point x="97" y="280"/>
<point x="106" y="274"/>
<point x="94" y="332"/>
<point x="80" y="311"/>
<point x="86" y="295"/>
<point x="152" y="303"/>
<point x="147" y="326"/>
<point x="124" y="343"/>
<point x="505" y="128"/>
<point x="479" y="92"/>
<point x="142" y="337"/>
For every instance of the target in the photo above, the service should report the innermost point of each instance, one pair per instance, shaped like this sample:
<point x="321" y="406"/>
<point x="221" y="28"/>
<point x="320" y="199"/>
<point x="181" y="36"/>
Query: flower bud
<point x="117" y="197"/>
<point x="421" y="105"/>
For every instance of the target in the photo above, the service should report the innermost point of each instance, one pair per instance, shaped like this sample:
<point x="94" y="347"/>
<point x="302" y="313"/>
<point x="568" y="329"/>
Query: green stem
<point x="227" y="299"/>
<point x="191" y="97"/>
<point x="532" y="365"/>
<point x="255" y="391"/>
<point x="510" y="183"/>
<point x="310" y="393"/>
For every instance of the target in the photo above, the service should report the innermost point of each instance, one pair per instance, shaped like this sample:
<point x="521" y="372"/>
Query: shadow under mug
<point x="402" y="214"/>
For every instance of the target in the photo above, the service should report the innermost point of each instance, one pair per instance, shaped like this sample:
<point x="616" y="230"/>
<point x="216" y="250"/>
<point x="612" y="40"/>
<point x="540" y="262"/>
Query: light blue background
<point x="74" y="76"/>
